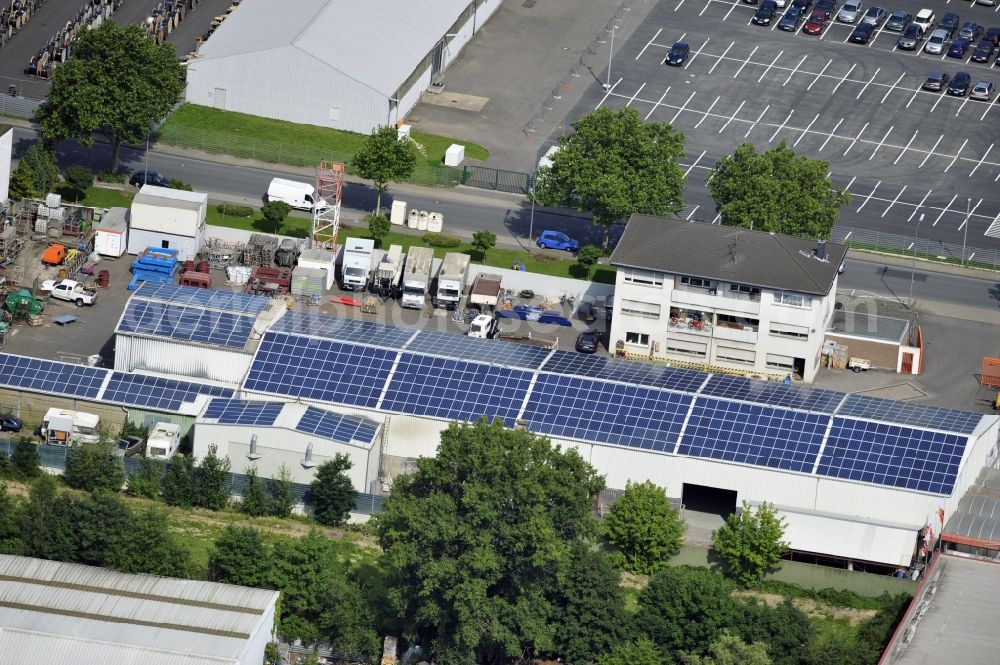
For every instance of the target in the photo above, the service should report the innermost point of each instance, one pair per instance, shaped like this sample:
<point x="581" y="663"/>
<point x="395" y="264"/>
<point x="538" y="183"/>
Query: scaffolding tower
<point x="326" y="221"/>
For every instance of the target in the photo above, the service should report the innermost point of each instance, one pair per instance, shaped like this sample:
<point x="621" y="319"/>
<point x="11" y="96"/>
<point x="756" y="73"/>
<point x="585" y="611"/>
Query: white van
<point x="62" y="427"/>
<point x="296" y="194"/>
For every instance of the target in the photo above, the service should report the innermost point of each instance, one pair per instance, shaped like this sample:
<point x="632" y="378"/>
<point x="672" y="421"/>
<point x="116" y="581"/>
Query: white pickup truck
<point x="70" y="291"/>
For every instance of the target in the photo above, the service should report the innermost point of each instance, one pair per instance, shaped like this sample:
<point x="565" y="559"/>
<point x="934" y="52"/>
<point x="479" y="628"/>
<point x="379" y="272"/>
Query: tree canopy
<point x="118" y="83"/>
<point x="94" y="467"/>
<point x="473" y="539"/>
<point x="750" y="542"/>
<point x="776" y="191"/>
<point x="384" y="158"/>
<point x="613" y="165"/>
<point x="643" y="528"/>
<point x="331" y="492"/>
<point x="729" y="649"/>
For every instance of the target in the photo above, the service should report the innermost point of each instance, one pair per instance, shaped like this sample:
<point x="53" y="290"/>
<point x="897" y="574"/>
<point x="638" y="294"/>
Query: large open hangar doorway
<point x="708" y="500"/>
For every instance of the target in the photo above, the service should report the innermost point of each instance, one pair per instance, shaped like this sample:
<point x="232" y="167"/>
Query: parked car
<point x="9" y="423"/>
<point x="791" y="20"/>
<point x="898" y="21"/>
<point x="910" y="38"/>
<point x="827" y="7"/>
<point x="925" y="18"/>
<point x="935" y="43"/>
<point x="936" y="81"/>
<point x="993" y="34"/>
<point x="972" y="31"/>
<point x="588" y="341"/>
<point x="816" y="23"/>
<point x="987" y="3"/>
<point x="949" y="22"/>
<point x="874" y="16"/>
<point x="958" y="48"/>
<point x="802" y="5"/>
<point x="677" y="54"/>
<point x="129" y="446"/>
<point x="850" y="12"/>
<point x="765" y="13"/>
<point x="983" y="91"/>
<point x="960" y="84"/>
<point x="983" y="51"/>
<point x="557" y="240"/>
<point x="863" y="33"/>
<point x="140" y="178"/>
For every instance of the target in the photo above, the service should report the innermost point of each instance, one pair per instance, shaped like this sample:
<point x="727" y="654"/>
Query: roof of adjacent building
<point x="712" y="251"/>
<point x="165" y="197"/>
<point x="870" y="326"/>
<point x="378" y="43"/>
<point x="47" y="606"/>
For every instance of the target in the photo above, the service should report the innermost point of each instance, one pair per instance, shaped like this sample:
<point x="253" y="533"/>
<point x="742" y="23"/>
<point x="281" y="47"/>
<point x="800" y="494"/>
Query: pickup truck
<point x="70" y="291"/>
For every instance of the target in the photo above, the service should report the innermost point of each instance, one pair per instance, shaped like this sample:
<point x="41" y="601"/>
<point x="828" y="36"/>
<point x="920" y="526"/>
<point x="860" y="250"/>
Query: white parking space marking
<point x="830" y="135"/>
<point x="709" y="111"/>
<point x="693" y="93"/>
<point x="651" y="40"/>
<point x="919" y="205"/>
<point x="915" y="93"/>
<point x="679" y="4"/>
<point x="717" y="218"/>
<point x="695" y="163"/>
<point x="705" y="8"/>
<point x="869" y="197"/>
<point x="806" y="130"/>
<point x="869" y="83"/>
<point x="658" y="102"/>
<point x="988" y="106"/>
<point x="746" y="62"/>
<point x="936" y="102"/>
<point x="981" y="160"/>
<point x="693" y="211"/>
<point x="782" y="126"/>
<point x="768" y="68"/>
<point x="944" y="210"/>
<point x="820" y="75"/>
<point x="891" y="88"/>
<point x="792" y="73"/>
<point x="855" y="140"/>
<point x="843" y="78"/>
<point x="928" y="155"/>
<point x="908" y="144"/>
<point x="971" y="212"/>
<point x="757" y="120"/>
<point x="721" y="57"/>
<point x="955" y="159"/>
<point x="734" y="6"/>
<point x="608" y="94"/>
<point x="964" y="102"/>
<point x="629" y="103"/>
<point x="886" y="211"/>
<point x="698" y="52"/>
<point x="848" y="188"/>
<point x="733" y="116"/>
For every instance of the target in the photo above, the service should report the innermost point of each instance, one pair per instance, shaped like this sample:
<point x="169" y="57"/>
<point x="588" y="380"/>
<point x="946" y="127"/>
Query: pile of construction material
<point x="15" y="15"/>
<point x="259" y="252"/>
<point x="58" y="49"/>
<point x="222" y="253"/>
<point x="10" y="245"/>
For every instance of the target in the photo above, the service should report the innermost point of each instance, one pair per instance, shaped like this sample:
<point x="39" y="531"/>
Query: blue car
<point x="557" y="240"/>
<point x="958" y="48"/>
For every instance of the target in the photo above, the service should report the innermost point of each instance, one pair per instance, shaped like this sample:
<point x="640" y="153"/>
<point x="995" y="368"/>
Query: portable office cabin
<point x="112" y="233"/>
<point x="168" y="219"/>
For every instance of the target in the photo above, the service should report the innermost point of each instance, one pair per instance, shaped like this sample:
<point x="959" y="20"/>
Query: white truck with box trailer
<point x="451" y="280"/>
<point x="62" y="427"/>
<point x="356" y="264"/>
<point x="388" y="271"/>
<point x="417" y="277"/>
<point x="485" y="292"/>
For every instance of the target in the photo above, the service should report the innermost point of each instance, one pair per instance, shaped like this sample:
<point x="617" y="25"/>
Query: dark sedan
<point x="802" y="5"/>
<point x="983" y="51"/>
<point x="678" y="54"/>
<point x="588" y="341"/>
<point x="960" y="84"/>
<point x="936" y="81"/>
<point x="993" y="34"/>
<point x="910" y="38"/>
<point x="958" y="48"/>
<point x="9" y="423"/>
<point x="949" y="22"/>
<point x="791" y="20"/>
<point x="826" y="6"/>
<point x="863" y="33"/>
<point x="898" y="21"/>
<point x="765" y="13"/>
<point x="972" y="31"/>
<point x="140" y="178"/>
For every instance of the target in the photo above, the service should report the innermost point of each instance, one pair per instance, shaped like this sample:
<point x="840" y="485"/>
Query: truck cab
<point x="356" y="265"/>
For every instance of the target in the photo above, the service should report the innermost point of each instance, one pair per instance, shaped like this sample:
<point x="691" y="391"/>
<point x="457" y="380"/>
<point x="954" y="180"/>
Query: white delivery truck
<point x="417" y="276"/>
<point x="299" y="195"/>
<point x="451" y="280"/>
<point x="356" y="263"/>
<point x="164" y="441"/>
<point x="388" y="271"/>
<point x="62" y="427"/>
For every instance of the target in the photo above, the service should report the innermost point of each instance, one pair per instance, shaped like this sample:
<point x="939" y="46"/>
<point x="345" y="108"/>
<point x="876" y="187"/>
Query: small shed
<point x="112" y="233"/>
<point x="319" y="259"/>
<point x="168" y="219"/>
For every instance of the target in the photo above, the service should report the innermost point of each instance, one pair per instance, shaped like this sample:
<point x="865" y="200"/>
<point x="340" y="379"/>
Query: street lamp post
<point x="913" y="260"/>
<point x="531" y="219"/>
<point x="965" y="235"/>
<point x="607" y="86"/>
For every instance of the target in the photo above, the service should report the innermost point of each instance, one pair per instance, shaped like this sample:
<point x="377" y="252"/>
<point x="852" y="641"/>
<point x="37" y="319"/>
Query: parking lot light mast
<point x="607" y="86"/>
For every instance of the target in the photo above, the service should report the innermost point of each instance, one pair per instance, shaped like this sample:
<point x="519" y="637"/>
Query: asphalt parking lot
<point x="899" y="150"/>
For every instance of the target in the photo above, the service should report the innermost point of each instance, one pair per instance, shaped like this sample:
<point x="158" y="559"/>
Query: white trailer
<point x="451" y="280"/>
<point x="111" y="238"/>
<point x="388" y="271"/>
<point x="164" y="441"/>
<point x="356" y="263"/>
<point x="62" y="427"/>
<point x="417" y="276"/>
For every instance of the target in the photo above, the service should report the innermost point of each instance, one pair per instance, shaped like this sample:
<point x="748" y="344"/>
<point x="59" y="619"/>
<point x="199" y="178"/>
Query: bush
<point x="114" y="177"/>
<point x="441" y="240"/>
<point x="79" y="177"/>
<point x="378" y="228"/>
<point x="25" y="458"/>
<point x="94" y="467"/>
<point x="234" y="210"/>
<point x="256" y="501"/>
<point x="177" y="184"/>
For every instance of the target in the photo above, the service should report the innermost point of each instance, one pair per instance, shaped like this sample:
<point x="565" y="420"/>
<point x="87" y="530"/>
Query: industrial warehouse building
<point x="333" y="63"/>
<point x="856" y="477"/>
<point x="56" y="613"/>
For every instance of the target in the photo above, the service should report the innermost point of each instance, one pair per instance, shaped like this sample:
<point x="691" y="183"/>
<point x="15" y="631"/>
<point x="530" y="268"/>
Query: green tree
<point x="282" y="493"/>
<point x="41" y="164"/>
<point x="640" y="652"/>
<point x="180" y="484"/>
<point x="94" y="467"/>
<point x="331" y="493"/>
<point x="472" y="539"/>
<point x="10" y="523"/>
<point x="836" y="643"/>
<point x="256" y="502"/>
<point x="239" y="556"/>
<point x="378" y="228"/>
<point x="212" y="476"/>
<point x="303" y="571"/>
<point x="59" y="538"/>
<point x="586" y="258"/>
<point x="750" y="542"/>
<point x="105" y="522"/>
<point x="729" y="649"/>
<point x="145" y="481"/>
<point x="615" y="164"/>
<point x="119" y="83"/>
<point x="384" y="158"/>
<point x="685" y="608"/>
<point x="25" y="458"/>
<point x="484" y="241"/>
<point x="79" y="178"/>
<point x="275" y="213"/>
<point x="776" y="191"/>
<point x="148" y="546"/>
<point x="347" y="621"/>
<point x="785" y="629"/>
<point x="22" y="185"/>
<point x="643" y="528"/>
<point x="37" y="514"/>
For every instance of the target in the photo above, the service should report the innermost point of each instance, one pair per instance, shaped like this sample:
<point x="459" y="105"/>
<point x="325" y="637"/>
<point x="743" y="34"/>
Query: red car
<point x="814" y="26"/>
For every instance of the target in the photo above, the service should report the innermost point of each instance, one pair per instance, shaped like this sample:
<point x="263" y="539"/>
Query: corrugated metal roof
<point x="173" y="198"/>
<point x="38" y="648"/>
<point x="841" y="537"/>
<point x="378" y="43"/>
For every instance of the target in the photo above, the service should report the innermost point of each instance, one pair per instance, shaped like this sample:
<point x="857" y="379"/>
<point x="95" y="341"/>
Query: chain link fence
<point x="922" y="248"/>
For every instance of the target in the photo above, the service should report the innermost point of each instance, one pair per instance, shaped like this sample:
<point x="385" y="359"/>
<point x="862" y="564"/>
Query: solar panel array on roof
<point x="195" y="323"/>
<point x="461" y="347"/>
<point x="229" y="301"/>
<point x="47" y="376"/>
<point x="155" y="392"/>
<point x="754" y="434"/>
<point x="343" y="330"/>
<point x="456" y="390"/>
<point x="626" y="371"/>
<point x="892" y="455"/>
<point x="241" y="412"/>
<point x="319" y="369"/>
<point x="337" y="427"/>
<point x="904" y="413"/>
<point x="775" y="394"/>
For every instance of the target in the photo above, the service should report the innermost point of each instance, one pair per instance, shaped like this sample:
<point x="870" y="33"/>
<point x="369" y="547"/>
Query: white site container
<point x="454" y="155"/>
<point x="111" y="237"/>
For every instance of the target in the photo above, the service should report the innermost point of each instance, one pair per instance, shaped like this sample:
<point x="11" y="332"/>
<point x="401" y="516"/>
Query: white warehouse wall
<point x="136" y="353"/>
<point x="6" y="152"/>
<point x="188" y="247"/>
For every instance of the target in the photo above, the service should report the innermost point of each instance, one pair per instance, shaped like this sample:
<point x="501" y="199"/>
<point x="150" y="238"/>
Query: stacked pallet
<point x="259" y="251"/>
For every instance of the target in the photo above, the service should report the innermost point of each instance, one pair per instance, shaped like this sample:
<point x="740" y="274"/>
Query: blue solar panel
<point x="626" y="371"/>
<point x="156" y="393"/>
<point x="47" y="376"/>
<point x="193" y="324"/>
<point x="337" y="427"/>
<point x="892" y="455"/>
<point x="461" y="347"/>
<point x="770" y="392"/>
<point x="318" y="369"/>
<point x="240" y="412"/>
<point x="605" y="412"/>
<point x="904" y="413"/>
<point x="754" y="434"/>
<point x="456" y="390"/>
<point x="212" y="298"/>
<point x="343" y="330"/>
